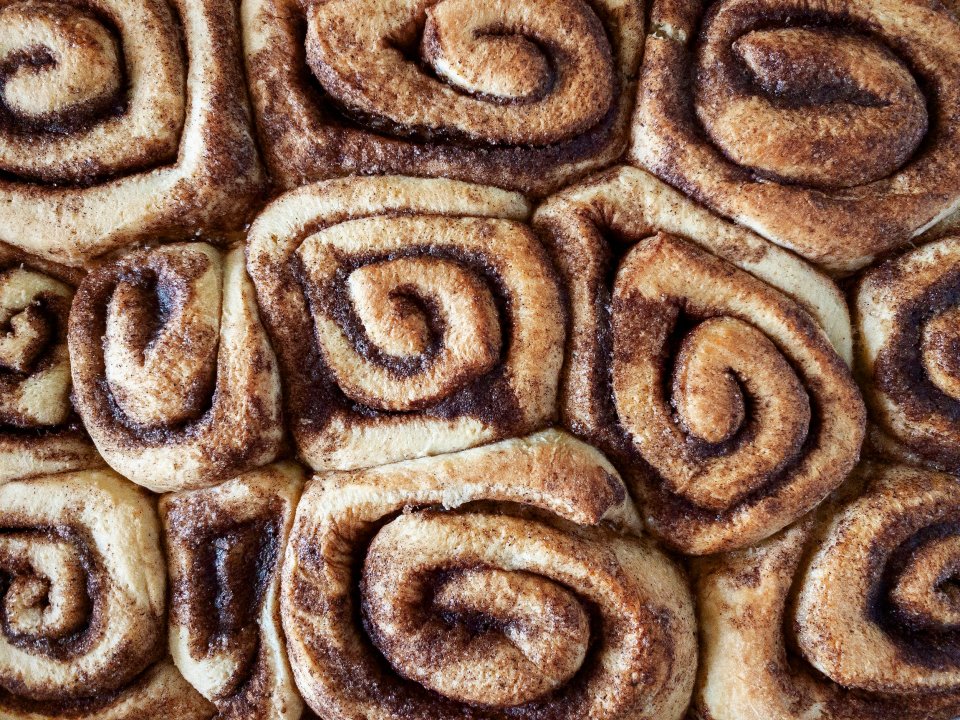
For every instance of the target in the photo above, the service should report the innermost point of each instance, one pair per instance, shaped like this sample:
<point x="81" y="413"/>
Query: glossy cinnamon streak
<point x="521" y="95"/>
<point x="386" y="602"/>
<point x="700" y="358"/>
<point x="844" y="614"/>
<point x="119" y="121"/>
<point x="84" y="603"/>
<point x="411" y="317"/>
<point x="828" y="128"/>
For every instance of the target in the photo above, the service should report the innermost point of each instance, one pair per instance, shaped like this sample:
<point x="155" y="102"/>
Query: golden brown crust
<point x="584" y="622"/>
<point x="83" y="598"/>
<point x="224" y="551"/>
<point x="121" y="120"/>
<point x="40" y="432"/>
<point x="848" y="615"/>
<point x="519" y="95"/>
<point x="174" y="377"/>
<point x="722" y="399"/>
<point x="411" y="317"/>
<point x="827" y="128"/>
<point x="906" y="312"/>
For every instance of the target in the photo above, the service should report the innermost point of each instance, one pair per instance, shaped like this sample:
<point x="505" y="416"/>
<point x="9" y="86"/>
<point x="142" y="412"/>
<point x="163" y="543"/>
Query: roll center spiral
<point x="57" y="60"/>
<point x="819" y="106"/>
<point x="483" y="635"/>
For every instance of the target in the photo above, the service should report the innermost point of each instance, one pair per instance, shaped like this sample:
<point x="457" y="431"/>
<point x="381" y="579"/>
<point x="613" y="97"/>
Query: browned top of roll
<point x="827" y="128"/>
<point x="484" y="584"/>
<point x="698" y="357"/>
<point x="521" y="95"/>
<point x="120" y="120"/>
<point x="412" y="317"/>
<point x="849" y="615"/>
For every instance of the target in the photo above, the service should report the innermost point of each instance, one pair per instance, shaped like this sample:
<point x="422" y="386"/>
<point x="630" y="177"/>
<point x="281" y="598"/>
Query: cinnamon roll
<point x="829" y="128"/>
<point x="39" y="431"/>
<point x="120" y="119"/>
<point x="907" y="312"/>
<point x="224" y="548"/>
<point x="519" y="94"/>
<point x="173" y="374"/>
<point x="82" y="585"/>
<point x="707" y="362"/>
<point x="849" y="615"/>
<point x="499" y="582"/>
<point x="411" y="317"/>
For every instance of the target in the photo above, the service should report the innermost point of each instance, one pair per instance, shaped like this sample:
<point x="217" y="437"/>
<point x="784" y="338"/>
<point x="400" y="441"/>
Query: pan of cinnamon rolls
<point x="502" y="360"/>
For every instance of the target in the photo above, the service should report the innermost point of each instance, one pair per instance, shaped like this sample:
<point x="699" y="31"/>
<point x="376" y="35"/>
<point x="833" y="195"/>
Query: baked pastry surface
<point x="829" y="128"/>
<point x="500" y="360"/>
<point x="522" y="95"/>
<point x="412" y="317"/>
<point x="121" y="120"/>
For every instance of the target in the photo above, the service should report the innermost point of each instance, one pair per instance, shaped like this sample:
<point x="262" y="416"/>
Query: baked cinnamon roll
<point x="173" y="374"/>
<point x="518" y="94"/>
<point x="499" y="582"/>
<point x="850" y="615"/>
<point x="120" y="119"/>
<point x="39" y="431"/>
<point x="82" y="585"/>
<point x="411" y="317"/>
<point x="828" y="127"/>
<point x="708" y="363"/>
<point x="224" y="549"/>
<point x="907" y="313"/>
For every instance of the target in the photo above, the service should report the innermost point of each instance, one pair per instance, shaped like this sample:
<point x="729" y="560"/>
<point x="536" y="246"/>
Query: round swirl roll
<point x="849" y="615"/>
<point x="411" y="317"/>
<point x="491" y="583"/>
<point x="698" y="359"/>
<point x="224" y="549"/>
<point x="118" y="119"/>
<point x="173" y="374"/>
<point x="829" y="127"/>
<point x="39" y="431"/>
<point x="82" y="584"/>
<point x="908" y="314"/>
<point x="523" y="95"/>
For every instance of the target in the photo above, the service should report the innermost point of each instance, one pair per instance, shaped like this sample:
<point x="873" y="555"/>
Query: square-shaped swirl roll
<point x="851" y="614"/>
<point x="173" y="374"/>
<point x="121" y="119"/>
<point x="830" y="128"/>
<point x="224" y="550"/>
<point x="706" y="361"/>
<point x="520" y="94"/>
<point x="507" y="581"/>
<point x="411" y="317"/>
<point x="40" y="432"/>
<point x="84" y="604"/>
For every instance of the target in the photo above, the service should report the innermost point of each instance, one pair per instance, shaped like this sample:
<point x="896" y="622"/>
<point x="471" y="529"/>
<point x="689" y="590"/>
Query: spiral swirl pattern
<point x="492" y="583"/>
<point x="119" y="118"/>
<point x="412" y="317"/>
<point x="82" y="585"/>
<point x="723" y="399"/>
<point x="826" y="127"/>
<point x="522" y="95"/>
<point x="908" y="354"/>
<point x="39" y="431"/>
<point x="224" y="549"/>
<point x="850" y="614"/>
<point x="173" y="374"/>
